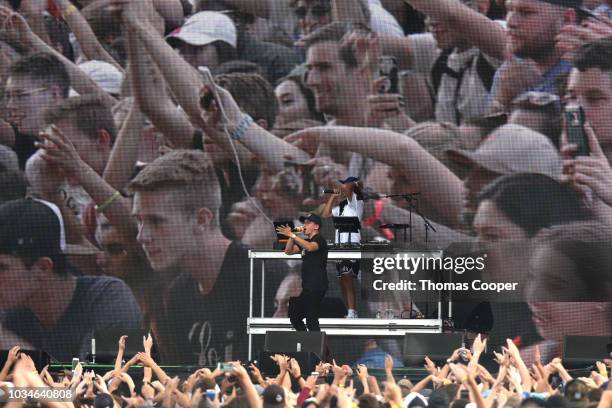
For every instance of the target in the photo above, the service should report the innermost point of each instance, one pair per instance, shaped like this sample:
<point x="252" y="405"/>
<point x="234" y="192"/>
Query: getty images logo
<point x="409" y="263"/>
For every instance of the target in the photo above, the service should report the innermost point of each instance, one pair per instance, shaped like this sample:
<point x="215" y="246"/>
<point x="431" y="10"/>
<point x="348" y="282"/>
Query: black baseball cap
<point x="273" y="397"/>
<point x="312" y="218"/>
<point x="31" y="228"/>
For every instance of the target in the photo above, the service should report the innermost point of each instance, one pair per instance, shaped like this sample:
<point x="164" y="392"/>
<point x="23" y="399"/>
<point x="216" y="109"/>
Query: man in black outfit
<point x="314" y="272"/>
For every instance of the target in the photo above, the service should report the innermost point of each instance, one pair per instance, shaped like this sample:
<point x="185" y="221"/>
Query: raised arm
<point x="436" y="183"/>
<point x="477" y="29"/>
<point x="85" y="36"/>
<point x="327" y="210"/>
<point x="18" y="29"/>
<point x="171" y="11"/>
<point x="291" y="247"/>
<point x="147" y="361"/>
<point x="123" y="157"/>
<point x="269" y="149"/>
<point x="11" y="358"/>
<point x="60" y="152"/>
<point x="184" y="81"/>
<point x="150" y="91"/>
<point x="120" y="351"/>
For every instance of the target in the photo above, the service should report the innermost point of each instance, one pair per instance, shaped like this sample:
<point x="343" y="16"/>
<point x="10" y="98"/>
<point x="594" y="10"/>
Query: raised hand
<point x="588" y="173"/>
<point x="479" y="345"/>
<point x="460" y="371"/>
<point x="147" y="343"/>
<point x="229" y="111"/>
<point x="294" y="368"/>
<point x="239" y="371"/>
<point x="387" y="109"/>
<point x="322" y="368"/>
<point x="571" y="36"/>
<point x="601" y="368"/>
<point x="145" y="359"/>
<point x="430" y="366"/>
<point x="16" y="29"/>
<point x="13" y="355"/>
<point x="256" y="374"/>
<point x="101" y="384"/>
<point x="367" y="52"/>
<point x="388" y="363"/>
<point x="326" y="172"/>
<point x="514" y="376"/>
<point x="122" y="342"/>
<point x="25" y="362"/>
<point x="338" y="371"/>
<point x="286" y="231"/>
<point x="59" y="151"/>
<point x="362" y="372"/>
<point x="307" y="139"/>
<point x="513" y="351"/>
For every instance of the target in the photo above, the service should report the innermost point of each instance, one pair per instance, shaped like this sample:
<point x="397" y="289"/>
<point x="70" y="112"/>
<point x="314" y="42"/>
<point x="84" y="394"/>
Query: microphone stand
<point x="410" y="198"/>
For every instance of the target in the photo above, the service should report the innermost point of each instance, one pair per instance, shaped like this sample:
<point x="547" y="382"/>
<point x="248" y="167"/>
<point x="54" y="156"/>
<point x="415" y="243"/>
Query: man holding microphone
<point x="314" y="272"/>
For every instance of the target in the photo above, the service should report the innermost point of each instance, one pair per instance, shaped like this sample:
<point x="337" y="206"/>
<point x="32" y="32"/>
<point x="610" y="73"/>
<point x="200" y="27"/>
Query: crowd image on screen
<point x="148" y="147"/>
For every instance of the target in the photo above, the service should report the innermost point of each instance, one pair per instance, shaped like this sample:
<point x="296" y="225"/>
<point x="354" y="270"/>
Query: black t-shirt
<point x="98" y="302"/>
<point x="24" y="147"/>
<point x="206" y="329"/>
<point x="314" y="266"/>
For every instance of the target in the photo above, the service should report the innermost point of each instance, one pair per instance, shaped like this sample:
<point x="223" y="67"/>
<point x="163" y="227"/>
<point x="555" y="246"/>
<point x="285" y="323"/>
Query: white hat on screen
<point x="204" y="28"/>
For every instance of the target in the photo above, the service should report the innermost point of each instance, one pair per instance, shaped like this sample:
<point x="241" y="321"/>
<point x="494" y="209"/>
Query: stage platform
<point x="351" y="327"/>
<point x="339" y="327"/>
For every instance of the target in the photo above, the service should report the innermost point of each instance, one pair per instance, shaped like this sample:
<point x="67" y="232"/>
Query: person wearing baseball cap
<point x="274" y="397"/>
<point x="207" y="39"/>
<point x="314" y="271"/>
<point x="509" y="149"/>
<point x="350" y="205"/>
<point x="40" y="300"/>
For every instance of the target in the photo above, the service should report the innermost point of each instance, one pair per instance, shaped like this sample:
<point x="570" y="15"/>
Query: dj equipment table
<point x="339" y="327"/>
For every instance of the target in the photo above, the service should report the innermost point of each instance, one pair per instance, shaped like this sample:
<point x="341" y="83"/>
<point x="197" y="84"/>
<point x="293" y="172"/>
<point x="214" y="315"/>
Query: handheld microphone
<point x="329" y="191"/>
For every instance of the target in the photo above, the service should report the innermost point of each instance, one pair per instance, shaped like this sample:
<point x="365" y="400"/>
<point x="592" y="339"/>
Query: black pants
<point x="306" y="306"/>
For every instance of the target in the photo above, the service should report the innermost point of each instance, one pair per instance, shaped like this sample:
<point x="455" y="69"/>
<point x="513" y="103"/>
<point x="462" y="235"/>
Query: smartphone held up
<point x="574" y="122"/>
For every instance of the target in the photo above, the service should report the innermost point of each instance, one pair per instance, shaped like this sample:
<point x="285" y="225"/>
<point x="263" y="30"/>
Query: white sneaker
<point x="352" y="314"/>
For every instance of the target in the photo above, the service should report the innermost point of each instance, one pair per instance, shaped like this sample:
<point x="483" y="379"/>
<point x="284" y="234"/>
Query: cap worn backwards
<point x="32" y="228"/>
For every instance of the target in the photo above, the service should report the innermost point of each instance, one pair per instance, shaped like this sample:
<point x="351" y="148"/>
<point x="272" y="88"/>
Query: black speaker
<point x="40" y="358"/>
<point x="438" y="346"/>
<point x="107" y="343"/>
<point x="308" y="362"/>
<point x="296" y="341"/>
<point x="586" y="350"/>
